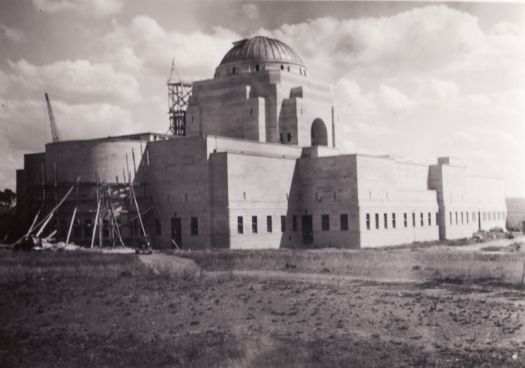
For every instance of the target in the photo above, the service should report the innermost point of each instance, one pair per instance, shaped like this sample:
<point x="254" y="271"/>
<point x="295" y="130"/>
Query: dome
<point x="261" y="49"/>
<point x="259" y="53"/>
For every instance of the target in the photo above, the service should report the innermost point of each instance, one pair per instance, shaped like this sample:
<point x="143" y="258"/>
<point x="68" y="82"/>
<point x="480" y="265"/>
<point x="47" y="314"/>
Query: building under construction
<point x="251" y="162"/>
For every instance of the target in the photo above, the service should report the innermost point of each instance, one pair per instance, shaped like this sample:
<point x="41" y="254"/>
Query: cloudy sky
<point x="418" y="80"/>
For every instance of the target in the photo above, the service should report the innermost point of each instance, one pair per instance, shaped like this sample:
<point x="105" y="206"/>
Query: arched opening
<point x="318" y="133"/>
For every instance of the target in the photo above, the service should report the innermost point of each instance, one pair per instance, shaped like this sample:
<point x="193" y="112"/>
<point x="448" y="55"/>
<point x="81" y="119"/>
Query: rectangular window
<point x="240" y="225"/>
<point x="461" y="217"/>
<point x="294" y="223"/>
<point x="385" y="220"/>
<point x="343" y="218"/>
<point x="393" y="220"/>
<point x="254" y="224"/>
<point x="421" y="219"/>
<point x="456" y="214"/>
<point x="413" y="219"/>
<point x="283" y="224"/>
<point x="194" y="226"/>
<point x="450" y="217"/>
<point x="466" y="214"/>
<point x="269" y="224"/>
<point x="377" y="220"/>
<point x="289" y="136"/>
<point x="368" y="221"/>
<point x="405" y="219"/>
<point x="429" y="219"/>
<point x="158" y="227"/>
<point x="325" y="222"/>
<point x="437" y="218"/>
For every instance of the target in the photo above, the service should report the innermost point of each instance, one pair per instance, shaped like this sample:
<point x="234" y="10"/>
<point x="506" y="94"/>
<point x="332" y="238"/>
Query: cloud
<point x="76" y="78"/>
<point x="392" y="99"/>
<point x="94" y="8"/>
<point x="251" y="11"/>
<point x="14" y="35"/>
<point x="4" y="83"/>
<point x="149" y="45"/>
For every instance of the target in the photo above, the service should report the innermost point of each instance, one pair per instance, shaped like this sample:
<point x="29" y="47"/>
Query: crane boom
<point x="54" y="130"/>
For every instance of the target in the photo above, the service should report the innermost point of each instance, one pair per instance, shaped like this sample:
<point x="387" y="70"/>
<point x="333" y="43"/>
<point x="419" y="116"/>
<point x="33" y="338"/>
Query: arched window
<point x="318" y="133"/>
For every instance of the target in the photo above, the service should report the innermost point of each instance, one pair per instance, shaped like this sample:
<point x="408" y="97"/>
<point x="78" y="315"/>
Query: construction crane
<point x="179" y="93"/>
<point x="54" y="130"/>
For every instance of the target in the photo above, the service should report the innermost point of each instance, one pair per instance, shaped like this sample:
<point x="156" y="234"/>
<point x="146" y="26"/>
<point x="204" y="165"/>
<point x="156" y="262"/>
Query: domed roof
<point x="262" y="49"/>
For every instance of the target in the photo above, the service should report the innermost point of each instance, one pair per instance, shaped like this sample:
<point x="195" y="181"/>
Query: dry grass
<point x="17" y="266"/>
<point x="395" y="264"/>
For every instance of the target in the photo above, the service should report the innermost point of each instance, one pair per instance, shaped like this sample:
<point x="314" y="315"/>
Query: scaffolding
<point x="179" y="93"/>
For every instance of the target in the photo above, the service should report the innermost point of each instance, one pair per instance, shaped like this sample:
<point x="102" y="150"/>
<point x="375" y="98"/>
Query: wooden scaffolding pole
<point x="95" y="225"/>
<point x="71" y="225"/>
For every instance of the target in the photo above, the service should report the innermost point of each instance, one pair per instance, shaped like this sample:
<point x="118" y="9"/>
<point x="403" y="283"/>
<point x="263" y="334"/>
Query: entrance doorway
<point x="318" y="133"/>
<point x="176" y="230"/>
<point x="308" y="232"/>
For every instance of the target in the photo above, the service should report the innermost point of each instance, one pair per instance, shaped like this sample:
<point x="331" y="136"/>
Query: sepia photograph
<point x="262" y="183"/>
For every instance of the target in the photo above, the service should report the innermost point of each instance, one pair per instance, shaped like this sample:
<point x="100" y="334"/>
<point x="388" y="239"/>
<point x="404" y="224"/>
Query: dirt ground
<point x="136" y="315"/>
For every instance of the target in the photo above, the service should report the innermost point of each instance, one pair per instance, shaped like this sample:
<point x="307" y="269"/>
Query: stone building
<point x="258" y="168"/>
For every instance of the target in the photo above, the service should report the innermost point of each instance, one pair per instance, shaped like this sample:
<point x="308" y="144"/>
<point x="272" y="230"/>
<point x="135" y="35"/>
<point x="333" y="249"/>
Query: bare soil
<point x="126" y="314"/>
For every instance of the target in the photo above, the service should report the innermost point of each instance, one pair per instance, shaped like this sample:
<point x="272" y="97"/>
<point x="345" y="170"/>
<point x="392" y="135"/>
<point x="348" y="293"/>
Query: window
<point x="281" y="137"/>
<point x="257" y="67"/>
<point x="456" y="214"/>
<point x="344" y="221"/>
<point x="194" y="226"/>
<point x="233" y="70"/>
<point x="269" y="224"/>
<point x="429" y="219"/>
<point x="283" y="224"/>
<point x="254" y="224"/>
<point x="289" y="137"/>
<point x="294" y="223"/>
<point x="437" y="218"/>
<point x="385" y="220"/>
<point x="461" y="217"/>
<point x="377" y="220"/>
<point x="421" y="220"/>
<point x="325" y="222"/>
<point x="282" y="67"/>
<point x="368" y="221"/>
<point x="240" y="225"/>
<point x="450" y="217"/>
<point x="393" y="220"/>
<point x="466" y="217"/>
<point x="158" y="227"/>
<point x="405" y="219"/>
<point x="413" y="219"/>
